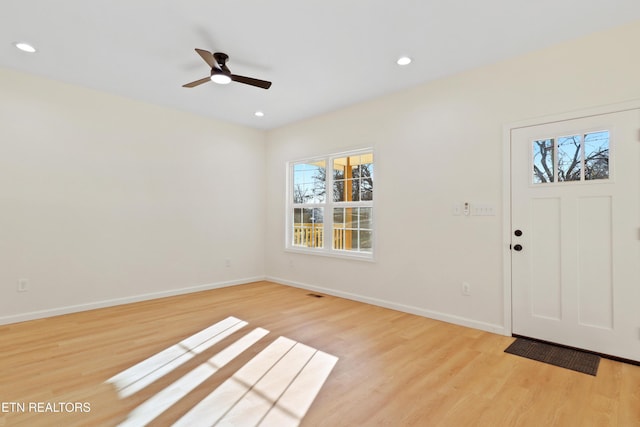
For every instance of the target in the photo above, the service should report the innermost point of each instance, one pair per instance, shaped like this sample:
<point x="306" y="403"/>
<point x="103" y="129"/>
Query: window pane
<point x="353" y="187"/>
<point x="365" y="218"/>
<point x="366" y="181"/>
<point x="308" y="227"/>
<point x="365" y="241"/>
<point x="355" y="169"/>
<point x="351" y="218"/>
<point x="303" y="193"/>
<point x="347" y="190"/>
<point x="339" y="168"/>
<point x="543" y="161"/>
<point x="338" y="191"/>
<point x="569" y="158"/>
<point x="596" y="155"/>
<point x="309" y="182"/>
<point x="353" y="178"/>
<point x="341" y="171"/>
<point x="338" y="228"/>
<point x="352" y="229"/>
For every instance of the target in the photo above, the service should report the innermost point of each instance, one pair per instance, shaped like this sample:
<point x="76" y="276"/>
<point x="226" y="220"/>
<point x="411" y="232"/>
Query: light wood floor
<point x="394" y="369"/>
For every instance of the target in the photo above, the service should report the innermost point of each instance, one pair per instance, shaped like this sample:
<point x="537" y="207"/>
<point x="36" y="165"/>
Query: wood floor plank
<point x="392" y="368"/>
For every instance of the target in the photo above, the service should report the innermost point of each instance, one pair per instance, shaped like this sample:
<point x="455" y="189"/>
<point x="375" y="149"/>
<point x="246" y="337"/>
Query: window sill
<point x="357" y="256"/>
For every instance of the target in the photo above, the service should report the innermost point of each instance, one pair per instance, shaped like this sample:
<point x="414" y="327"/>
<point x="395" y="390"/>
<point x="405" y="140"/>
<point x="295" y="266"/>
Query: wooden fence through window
<point x="312" y="236"/>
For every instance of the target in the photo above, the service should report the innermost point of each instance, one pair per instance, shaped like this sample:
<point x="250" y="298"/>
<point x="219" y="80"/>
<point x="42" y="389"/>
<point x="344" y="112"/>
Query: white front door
<point x="575" y="233"/>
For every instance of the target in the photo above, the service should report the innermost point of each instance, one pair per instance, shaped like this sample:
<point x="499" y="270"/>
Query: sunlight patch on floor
<point x="139" y="376"/>
<point x="274" y="388"/>
<point x="163" y="400"/>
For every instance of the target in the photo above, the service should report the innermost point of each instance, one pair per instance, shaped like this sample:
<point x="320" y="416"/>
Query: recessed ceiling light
<point x="258" y="114"/>
<point x="25" y="47"/>
<point x="404" y="60"/>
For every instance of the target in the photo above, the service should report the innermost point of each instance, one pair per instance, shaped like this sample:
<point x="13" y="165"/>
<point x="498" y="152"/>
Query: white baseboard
<point x="456" y="320"/>
<point x="33" y="315"/>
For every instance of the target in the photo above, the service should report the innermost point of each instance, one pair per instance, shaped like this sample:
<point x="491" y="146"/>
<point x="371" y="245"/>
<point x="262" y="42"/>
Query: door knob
<point x="517" y="248"/>
<point x="518" y="233"/>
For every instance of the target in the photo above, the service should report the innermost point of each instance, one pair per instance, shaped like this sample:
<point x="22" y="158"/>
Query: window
<point x="330" y="205"/>
<point x="581" y="157"/>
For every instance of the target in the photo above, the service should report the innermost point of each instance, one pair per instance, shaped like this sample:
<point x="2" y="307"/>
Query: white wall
<point x="105" y="200"/>
<point x="437" y="145"/>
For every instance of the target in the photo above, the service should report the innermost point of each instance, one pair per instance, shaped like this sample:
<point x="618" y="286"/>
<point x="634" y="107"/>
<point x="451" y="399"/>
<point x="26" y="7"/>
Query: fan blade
<point x="198" y="82"/>
<point x="208" y="58"/>
<point x="250" y="81"/>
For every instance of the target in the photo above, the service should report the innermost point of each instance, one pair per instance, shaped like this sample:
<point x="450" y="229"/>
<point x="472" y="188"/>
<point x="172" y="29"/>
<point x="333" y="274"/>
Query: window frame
<point x="328" y="206"/>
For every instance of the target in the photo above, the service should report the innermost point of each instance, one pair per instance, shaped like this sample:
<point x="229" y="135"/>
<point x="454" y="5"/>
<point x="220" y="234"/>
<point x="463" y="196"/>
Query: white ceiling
<point x="321" y="55"/>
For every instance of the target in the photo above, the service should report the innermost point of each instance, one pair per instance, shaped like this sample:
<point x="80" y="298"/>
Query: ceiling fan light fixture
<point x="220" y="78"/>
<point x="221" y="74"/>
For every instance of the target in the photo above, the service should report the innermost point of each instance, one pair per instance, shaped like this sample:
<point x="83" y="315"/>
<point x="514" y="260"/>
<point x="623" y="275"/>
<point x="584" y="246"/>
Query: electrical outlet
<point x="227" y="262"/>
<point x="23" y="285"/>
<point x="466" y="289"/>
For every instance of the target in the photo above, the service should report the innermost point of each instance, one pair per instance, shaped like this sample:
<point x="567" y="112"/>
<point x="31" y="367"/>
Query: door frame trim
<point x="507" y="130"/>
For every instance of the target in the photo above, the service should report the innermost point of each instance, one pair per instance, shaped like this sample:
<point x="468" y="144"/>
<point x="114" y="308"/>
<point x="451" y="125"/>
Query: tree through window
<point x="580" y="157"/>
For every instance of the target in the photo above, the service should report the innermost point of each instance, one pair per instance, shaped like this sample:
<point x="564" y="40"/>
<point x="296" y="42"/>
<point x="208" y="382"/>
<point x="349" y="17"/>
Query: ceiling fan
<point x="221" y="74"/>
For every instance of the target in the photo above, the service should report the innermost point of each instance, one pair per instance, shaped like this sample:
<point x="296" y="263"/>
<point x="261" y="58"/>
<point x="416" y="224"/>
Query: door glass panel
<point x="574" y="158"/>
<point x="569" y="158"/>
<point x="543" y="161"/>
<point x="596" y="155"/>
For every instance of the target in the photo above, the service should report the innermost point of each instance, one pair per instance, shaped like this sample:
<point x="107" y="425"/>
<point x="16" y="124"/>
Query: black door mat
<point x="563" y="357"/>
